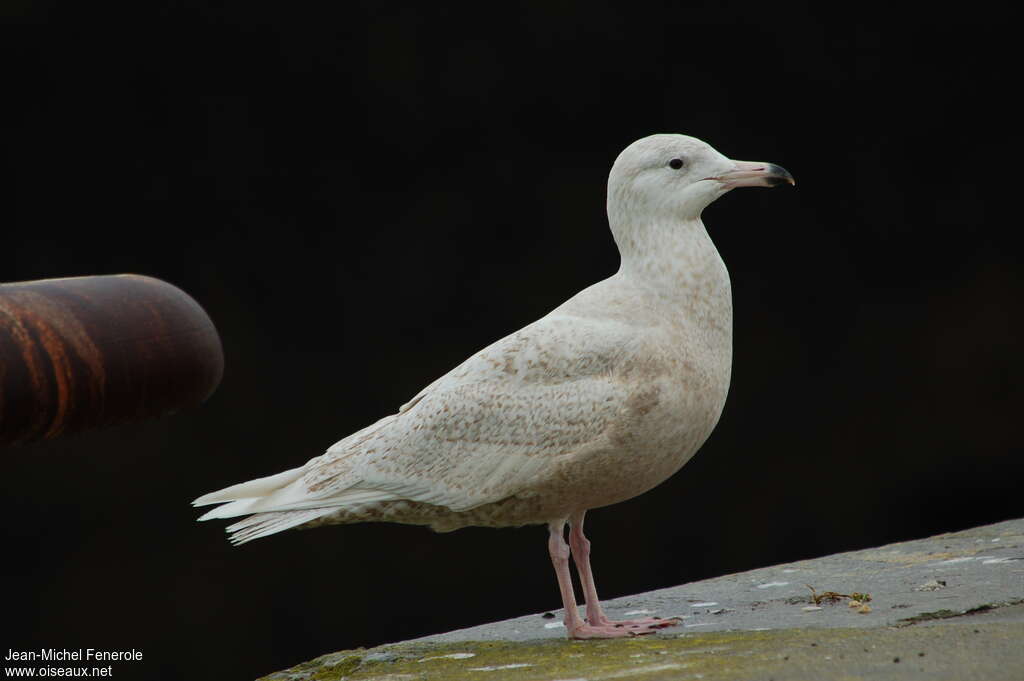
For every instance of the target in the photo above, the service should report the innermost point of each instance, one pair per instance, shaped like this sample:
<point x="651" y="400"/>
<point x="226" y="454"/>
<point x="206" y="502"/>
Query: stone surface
<point x="945" y="607"/>
<point x="954" y="572"/>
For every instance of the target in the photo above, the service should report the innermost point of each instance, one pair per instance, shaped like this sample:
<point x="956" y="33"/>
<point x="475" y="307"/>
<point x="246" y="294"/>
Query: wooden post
<point x="87" y="352"/>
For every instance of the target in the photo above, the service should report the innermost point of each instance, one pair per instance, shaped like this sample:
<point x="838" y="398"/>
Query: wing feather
<point x="492" y="426"/>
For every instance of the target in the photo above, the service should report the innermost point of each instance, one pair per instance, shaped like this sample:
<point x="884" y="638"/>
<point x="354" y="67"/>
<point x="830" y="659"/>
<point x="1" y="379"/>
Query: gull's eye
<point x="675" y="164"/>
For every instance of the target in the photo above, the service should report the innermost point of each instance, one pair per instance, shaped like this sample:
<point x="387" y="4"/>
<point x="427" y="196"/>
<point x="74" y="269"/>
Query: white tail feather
<point x="262" y="524"/>
<point x="259" y="487"/>
<point x="230" y="510"/>
<point x="279" y="502"/>
<point x="298" y="498"/>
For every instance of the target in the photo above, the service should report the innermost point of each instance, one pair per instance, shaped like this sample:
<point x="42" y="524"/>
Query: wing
<point x="490" y="428"/>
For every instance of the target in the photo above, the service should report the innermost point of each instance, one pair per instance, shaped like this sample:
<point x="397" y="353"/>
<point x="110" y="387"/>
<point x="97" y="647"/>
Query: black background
<point x="362" y="195"/>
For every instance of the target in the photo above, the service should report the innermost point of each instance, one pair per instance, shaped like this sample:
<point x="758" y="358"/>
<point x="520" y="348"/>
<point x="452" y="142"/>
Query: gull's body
<point x="597" y="402"/>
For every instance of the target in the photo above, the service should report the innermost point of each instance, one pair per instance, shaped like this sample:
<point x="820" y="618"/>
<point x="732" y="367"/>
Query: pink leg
<point x="595" y="615"/>
<point x="575" y="627"/>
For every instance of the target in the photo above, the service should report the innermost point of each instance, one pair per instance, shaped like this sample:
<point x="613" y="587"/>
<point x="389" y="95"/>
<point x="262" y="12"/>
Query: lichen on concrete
<point x="906" y="653"/>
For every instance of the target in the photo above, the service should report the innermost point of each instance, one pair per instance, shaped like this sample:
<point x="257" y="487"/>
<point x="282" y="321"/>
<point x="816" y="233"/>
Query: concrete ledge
<point x="946" y="607"/>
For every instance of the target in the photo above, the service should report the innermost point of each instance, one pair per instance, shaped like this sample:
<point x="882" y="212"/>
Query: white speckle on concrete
<point x="993" y="561"/>
<point x="648" y="669"/>
<point x="811" y="608"/>
<point x="790" y="570"/>
<point x="449" y="656"/>
<point x="638" y="612"/>
<point x="954" y="561"/>
<point x="703" y="605"/>
<point x="768" y="585"/>
<point x="698" y="624"/>
<point x="554" y="625"/>
<point x="997" y="539"/>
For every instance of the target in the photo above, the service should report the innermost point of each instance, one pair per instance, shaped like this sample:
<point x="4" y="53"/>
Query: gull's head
<point x="674" y="177"/>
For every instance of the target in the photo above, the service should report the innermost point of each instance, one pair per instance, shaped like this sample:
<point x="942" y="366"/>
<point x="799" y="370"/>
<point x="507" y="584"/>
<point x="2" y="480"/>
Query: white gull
<point x="597" y="402"/>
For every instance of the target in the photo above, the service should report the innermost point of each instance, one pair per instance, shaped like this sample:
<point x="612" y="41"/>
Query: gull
<point x="597" y="402"/>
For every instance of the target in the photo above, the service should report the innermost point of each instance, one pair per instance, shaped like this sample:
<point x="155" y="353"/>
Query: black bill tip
<point x="777" y="175"/>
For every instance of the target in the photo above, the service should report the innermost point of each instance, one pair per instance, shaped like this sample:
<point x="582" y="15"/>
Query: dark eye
<point x="675" y="164"/>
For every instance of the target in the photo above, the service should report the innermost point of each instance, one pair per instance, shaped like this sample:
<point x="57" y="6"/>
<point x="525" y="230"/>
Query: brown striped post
<point x="87" y="352"/>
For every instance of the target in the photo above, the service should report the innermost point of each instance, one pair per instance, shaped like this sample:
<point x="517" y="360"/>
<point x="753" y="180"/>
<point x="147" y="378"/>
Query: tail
<point x="239" y="500"/>
<point x="254" y="489"/>
<point x="279" y="502"/>
<point x="262" y="524"/>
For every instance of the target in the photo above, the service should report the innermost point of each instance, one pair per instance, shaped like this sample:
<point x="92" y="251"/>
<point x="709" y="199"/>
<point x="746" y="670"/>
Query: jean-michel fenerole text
<point x="77" y="654"/>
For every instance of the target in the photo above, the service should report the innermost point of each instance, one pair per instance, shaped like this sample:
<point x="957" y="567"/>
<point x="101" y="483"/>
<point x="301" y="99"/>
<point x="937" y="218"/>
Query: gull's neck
<point x="677" y="263"/>
<point x="673" y="258"/>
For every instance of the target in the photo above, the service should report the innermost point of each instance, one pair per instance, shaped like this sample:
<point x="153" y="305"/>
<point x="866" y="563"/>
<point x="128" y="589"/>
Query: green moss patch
<point x="955" y="650"/>
<point x="637" y="658"/>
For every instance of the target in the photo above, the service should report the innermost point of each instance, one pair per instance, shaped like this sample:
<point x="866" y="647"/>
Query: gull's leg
<point x="575" y="627"/>
<point x="595" y="615"/>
